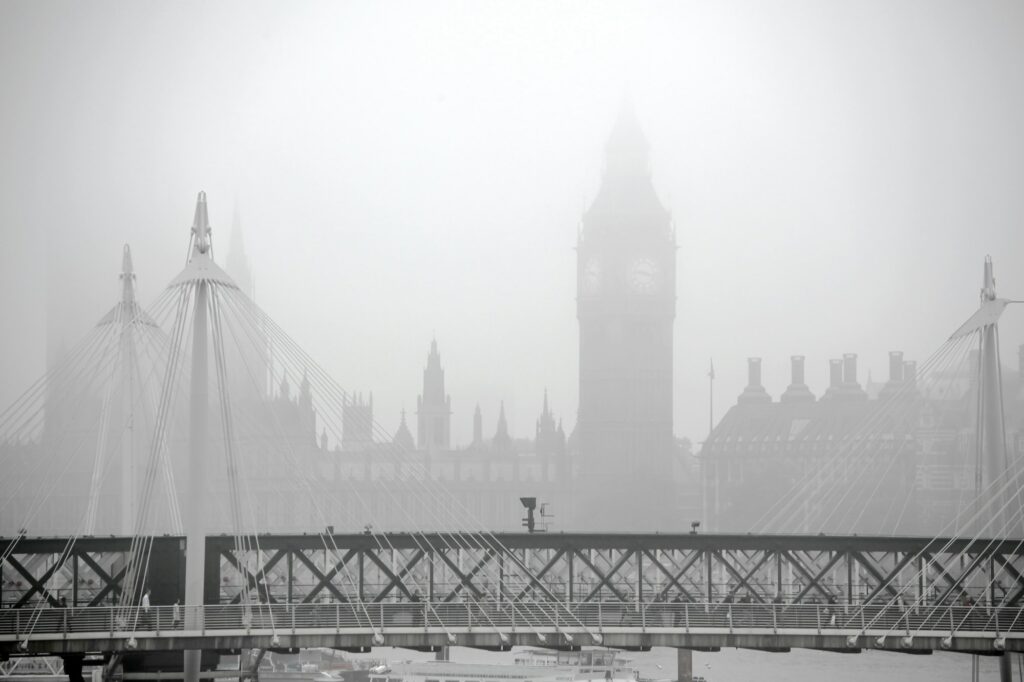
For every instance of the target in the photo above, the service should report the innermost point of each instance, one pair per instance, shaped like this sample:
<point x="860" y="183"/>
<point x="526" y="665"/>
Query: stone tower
<point x="626" y="298"/>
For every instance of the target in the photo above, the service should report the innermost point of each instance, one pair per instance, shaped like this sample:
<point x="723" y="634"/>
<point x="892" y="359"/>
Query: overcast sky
<point x="836" y="173"/>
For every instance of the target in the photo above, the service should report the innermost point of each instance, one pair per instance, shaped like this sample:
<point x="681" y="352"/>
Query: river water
<point x="799" y="665"/>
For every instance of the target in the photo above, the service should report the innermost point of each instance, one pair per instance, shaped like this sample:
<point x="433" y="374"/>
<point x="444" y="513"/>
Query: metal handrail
<point x="167" y="621"/>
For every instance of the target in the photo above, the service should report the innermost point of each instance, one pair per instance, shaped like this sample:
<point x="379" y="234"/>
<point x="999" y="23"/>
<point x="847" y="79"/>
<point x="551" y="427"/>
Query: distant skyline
<point x="836" y="174"/>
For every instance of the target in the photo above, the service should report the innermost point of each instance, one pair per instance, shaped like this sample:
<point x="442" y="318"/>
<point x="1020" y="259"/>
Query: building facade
<point x="894" y="457"/>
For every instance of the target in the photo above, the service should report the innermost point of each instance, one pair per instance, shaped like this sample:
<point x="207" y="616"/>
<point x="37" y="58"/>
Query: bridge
<point x="166" y="584"/>
<point x="630" y="591"/>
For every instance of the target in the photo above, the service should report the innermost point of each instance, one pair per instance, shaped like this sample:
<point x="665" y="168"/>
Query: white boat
<point x="590" y="664"/>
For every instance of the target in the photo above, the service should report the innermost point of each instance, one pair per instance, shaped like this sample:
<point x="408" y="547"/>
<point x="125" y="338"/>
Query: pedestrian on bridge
<point x="831" y="611"/>
<point x="417" y="614"/>
<point x="145" y="608"/>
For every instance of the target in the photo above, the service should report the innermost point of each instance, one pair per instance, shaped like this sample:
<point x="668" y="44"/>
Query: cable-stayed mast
<point x="991" y="454"/>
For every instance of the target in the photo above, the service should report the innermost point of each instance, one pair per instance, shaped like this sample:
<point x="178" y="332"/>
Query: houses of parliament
<point x="618" y="466"/>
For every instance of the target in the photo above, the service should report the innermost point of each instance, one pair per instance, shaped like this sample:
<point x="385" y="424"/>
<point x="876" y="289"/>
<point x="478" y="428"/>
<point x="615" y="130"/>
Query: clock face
<point x="591" y="278"/>
<point x="643" y="276"/>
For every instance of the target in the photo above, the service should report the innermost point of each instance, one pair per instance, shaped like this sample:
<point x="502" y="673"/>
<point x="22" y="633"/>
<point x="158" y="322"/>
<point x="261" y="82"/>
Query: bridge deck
<point x="501" y="625"/>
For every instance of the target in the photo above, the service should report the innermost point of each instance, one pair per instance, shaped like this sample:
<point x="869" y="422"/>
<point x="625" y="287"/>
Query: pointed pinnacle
<point x="127" y="277"/>
<point x="126" y="262"/>
<point x="201" y="225"/>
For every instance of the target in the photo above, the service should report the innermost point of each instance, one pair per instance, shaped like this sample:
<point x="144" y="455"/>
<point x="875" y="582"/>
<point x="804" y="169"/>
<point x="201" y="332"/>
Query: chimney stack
<point x="850" y="370"/>
<point x="835" y="378"/>
<point x="843" y="378"/>
<point x="754" y="372"/>
<point x="835" y="373"/>
<point x="797" y="390"/>
<point x="851" y="388"/>
<point x="754" y="392"/>
<point x="895" y="366"/>
<point x="910" y="373"/>
<point x="796" y="367"/>
<point x="895" y="384"/>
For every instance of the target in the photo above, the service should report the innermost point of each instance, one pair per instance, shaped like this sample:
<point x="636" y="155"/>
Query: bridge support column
<point x="249" y="664"/>
<point x="195" y="542"/>
<point x="684" y="665"/>
<point x="111" y="668"/>
<point x="1006" y="667"/>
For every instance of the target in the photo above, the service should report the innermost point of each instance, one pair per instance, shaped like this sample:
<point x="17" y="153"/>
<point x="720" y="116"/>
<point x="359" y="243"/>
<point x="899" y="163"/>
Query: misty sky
<point x="836" y="173"/>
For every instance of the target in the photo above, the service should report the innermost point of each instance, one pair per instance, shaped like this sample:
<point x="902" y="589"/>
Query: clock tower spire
<point x="625" y="304"/>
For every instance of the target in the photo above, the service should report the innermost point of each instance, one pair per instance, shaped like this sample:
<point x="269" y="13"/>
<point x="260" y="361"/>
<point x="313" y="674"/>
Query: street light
<point x="530" y="504"/>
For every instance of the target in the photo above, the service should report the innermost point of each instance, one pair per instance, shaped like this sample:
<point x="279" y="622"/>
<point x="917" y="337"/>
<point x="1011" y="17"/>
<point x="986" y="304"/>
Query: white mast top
<point x="201" y="227"/>
<point x="991" y="307"/>
<point x="127" y="277"/>
<point x="201" y="267"/>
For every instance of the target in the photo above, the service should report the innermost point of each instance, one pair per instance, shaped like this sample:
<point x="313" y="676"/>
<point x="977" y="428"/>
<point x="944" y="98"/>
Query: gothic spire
<point x="478" y="426"/>
<point x="501" y="437"/>
<point x="403" y="438"/>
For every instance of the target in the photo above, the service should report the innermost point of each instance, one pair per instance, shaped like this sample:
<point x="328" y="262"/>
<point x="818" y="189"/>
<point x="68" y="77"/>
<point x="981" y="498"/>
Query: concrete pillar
<point x="1006" y="667"/>
<point x="684" y="665"/>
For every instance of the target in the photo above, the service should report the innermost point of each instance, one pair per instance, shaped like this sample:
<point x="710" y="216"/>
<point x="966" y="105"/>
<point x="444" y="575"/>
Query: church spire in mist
<point x="502" y="439"/>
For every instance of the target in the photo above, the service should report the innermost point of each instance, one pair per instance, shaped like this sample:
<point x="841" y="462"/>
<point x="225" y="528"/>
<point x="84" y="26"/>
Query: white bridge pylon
<point x="221" y="318"/>
<point x="992" y="454"/>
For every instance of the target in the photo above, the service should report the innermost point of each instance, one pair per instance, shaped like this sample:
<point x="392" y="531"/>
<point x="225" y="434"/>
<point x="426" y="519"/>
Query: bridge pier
<point x="684" y="665"/>
<point x="1006" y="667"/>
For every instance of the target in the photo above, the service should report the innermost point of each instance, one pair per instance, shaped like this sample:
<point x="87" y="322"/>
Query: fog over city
<point x="682" y="330"/>
<point x="407" y="171"/>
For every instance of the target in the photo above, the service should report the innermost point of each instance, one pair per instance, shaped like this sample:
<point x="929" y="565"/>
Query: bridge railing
<point x="594" y="617"/>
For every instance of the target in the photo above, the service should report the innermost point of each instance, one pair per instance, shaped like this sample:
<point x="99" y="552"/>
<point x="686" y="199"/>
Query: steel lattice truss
<point x="443" y="567"/>
<point x="87" y="572"/>
<point x="622" y="567"/>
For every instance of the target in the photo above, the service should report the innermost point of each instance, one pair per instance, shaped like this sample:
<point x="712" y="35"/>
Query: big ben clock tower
<point x="626" y="296"/>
